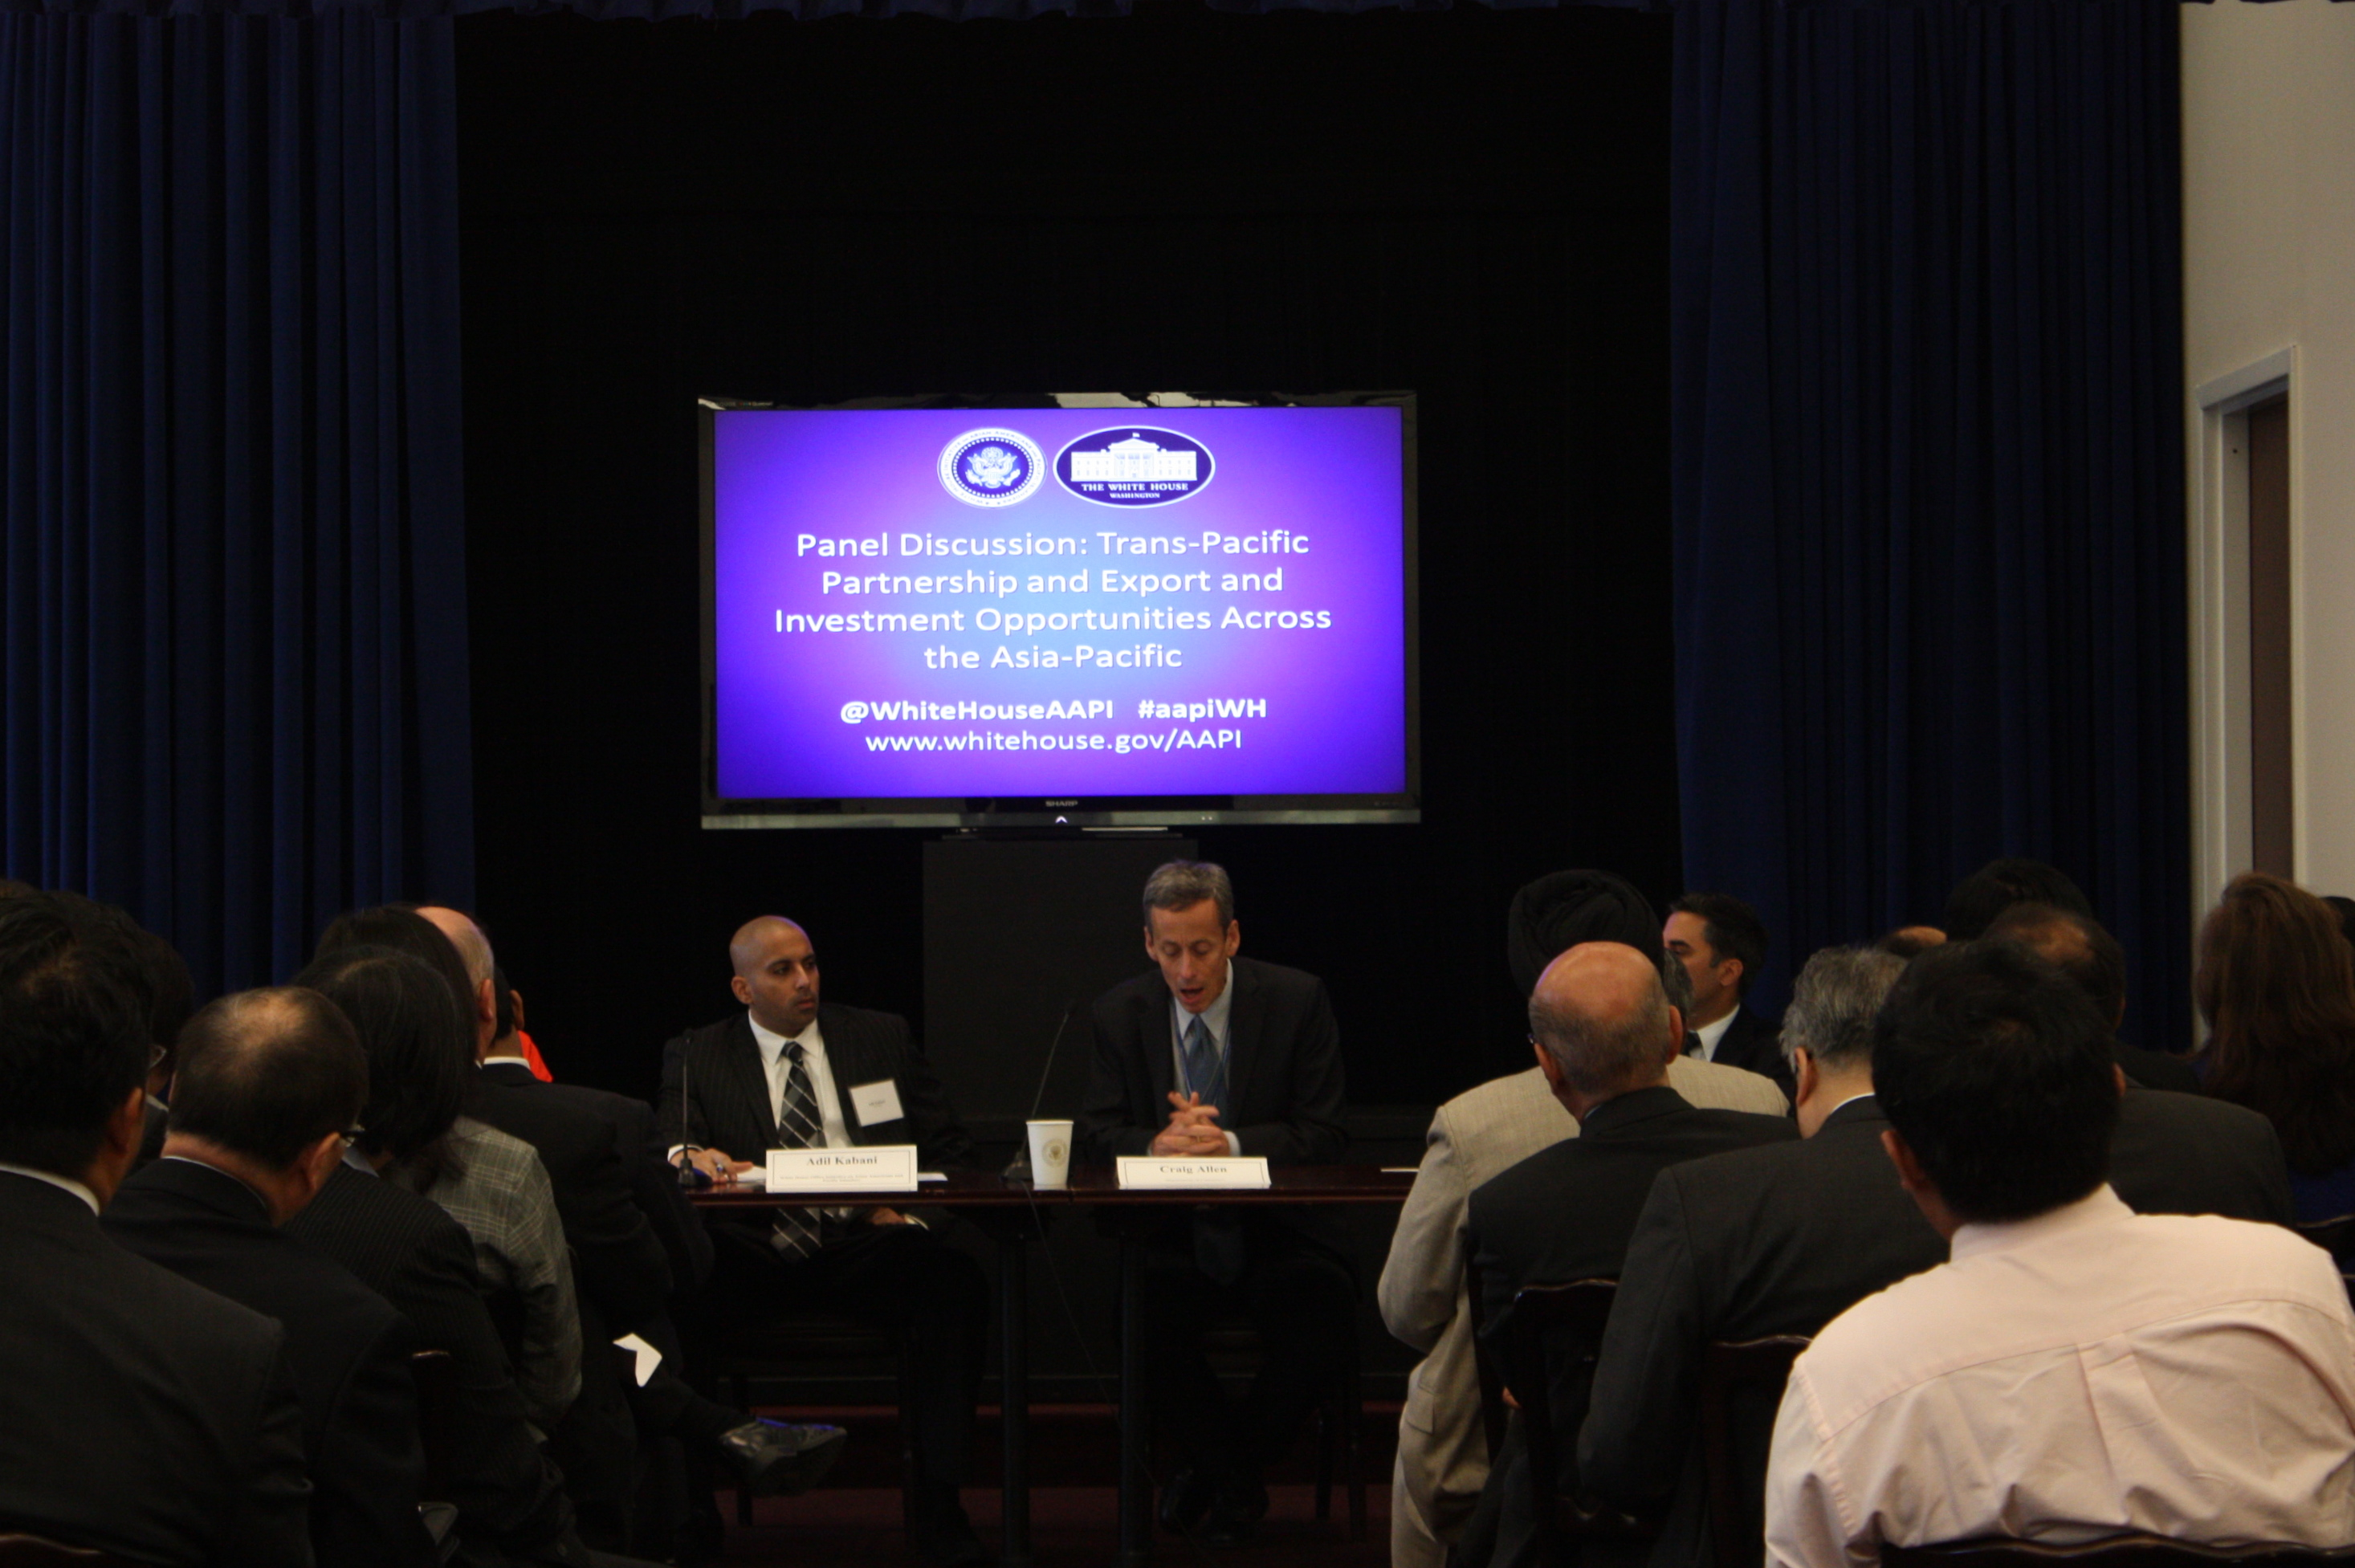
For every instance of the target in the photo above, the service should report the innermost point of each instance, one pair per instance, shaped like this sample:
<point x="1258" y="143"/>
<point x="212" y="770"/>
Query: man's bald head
<point x="776" y="973"/>
<point x="474" y="947"/>
<point x="266" y="1074"/>
<point x="1600" y="1014"/>
<point x="751" y="944"/>
<point x="2074" y="944"/>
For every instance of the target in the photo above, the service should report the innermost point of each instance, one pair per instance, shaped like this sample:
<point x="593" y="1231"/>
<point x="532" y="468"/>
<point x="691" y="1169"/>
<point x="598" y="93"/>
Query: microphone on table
<point x="1018" y="1168"/>
<point x="692" y="1178"/>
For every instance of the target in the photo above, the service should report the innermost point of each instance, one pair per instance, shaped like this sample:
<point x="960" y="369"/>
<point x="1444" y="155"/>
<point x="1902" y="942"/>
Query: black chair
<point x="2111" y="1552"/>
<point x="1233" y="1348"/>
<point x="1737" y="1525"/>
<point x="436" y="1376"/>
<point x="1551" y="1334"/>
<point x="39" y="1551"/>
<point x="811" y="1345"/>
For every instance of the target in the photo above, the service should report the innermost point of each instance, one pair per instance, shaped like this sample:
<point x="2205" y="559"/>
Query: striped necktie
<point x="1205" y="1070"/>
<point x="798" y="1127"/>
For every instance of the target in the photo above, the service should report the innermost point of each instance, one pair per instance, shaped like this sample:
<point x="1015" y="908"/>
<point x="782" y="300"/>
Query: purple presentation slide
<point x="1062" y="602"/>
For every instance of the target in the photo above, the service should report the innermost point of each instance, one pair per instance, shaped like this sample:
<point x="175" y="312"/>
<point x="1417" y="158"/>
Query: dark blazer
<point x="408" y="1250"/>
<point x="2186" y="1154"/>
<point x="1755" y="1044"/>
<point x="653" y="1184"/>
<point x="140" y="1413"/>
<point x="347" y="1348"/>
<point x="2156" y="1069"/>
<point x="715" y="1086"/>
<point x="619" y="1264"/>
<point x="1283" y="1068"/>
<point x="1778" y="1240"/>
<point x="1565" y="1213"/>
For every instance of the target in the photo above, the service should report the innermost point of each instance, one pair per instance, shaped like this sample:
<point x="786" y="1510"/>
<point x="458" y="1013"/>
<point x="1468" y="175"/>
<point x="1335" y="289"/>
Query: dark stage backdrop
<point x="1472" y="204"/>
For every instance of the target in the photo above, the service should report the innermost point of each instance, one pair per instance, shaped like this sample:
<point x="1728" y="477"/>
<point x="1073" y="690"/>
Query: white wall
<point x="2269" y="272"/>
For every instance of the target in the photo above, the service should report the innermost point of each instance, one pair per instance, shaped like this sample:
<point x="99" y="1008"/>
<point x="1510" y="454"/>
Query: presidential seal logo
<point x="1133" y="465"/>
<point x="992" y="468"/>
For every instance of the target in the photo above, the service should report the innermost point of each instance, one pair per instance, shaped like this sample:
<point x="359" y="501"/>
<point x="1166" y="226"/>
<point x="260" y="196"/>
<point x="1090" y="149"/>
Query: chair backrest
<point x="2335" y="1235"/>
<point x="1494" y="1412"/>
<point x="39" y="1551"/>
<point x="1736" y="1516"/>
<point x="436" y="1376"/>
<point x="2112" y="1551"/>
<point x="1549" y="1338"/>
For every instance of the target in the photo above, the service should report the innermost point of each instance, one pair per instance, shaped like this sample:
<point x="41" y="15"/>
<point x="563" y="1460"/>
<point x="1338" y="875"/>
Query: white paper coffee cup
<point x="1050" y="1154"/>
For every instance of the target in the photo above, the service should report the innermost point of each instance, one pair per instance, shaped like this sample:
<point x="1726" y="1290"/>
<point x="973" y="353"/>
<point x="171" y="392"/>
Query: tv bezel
<point x="1083" y="813"/>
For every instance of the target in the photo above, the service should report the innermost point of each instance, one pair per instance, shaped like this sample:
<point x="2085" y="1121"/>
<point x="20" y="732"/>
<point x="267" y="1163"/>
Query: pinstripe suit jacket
<point x="716" y="1088"/>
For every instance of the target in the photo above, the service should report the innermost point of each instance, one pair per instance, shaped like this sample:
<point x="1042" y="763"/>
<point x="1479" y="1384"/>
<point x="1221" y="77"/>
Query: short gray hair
<point x="1833" y="1002"/>
<point x="1181" y="884"/>
<point x="1597" y="1055"/>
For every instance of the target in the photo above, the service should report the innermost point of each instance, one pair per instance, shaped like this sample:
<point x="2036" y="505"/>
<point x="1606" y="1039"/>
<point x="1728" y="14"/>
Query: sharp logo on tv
<point x="992" y="468"/>
<point x="1134" y="466"/>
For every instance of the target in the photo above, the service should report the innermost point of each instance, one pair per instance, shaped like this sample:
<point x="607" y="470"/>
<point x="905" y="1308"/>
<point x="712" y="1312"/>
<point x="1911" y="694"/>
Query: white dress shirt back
<point x="2087" y="1372"/>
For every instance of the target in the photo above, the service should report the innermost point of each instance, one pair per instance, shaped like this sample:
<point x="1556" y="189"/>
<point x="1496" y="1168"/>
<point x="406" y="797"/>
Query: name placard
<point x="1149" y="1173"/>
<point x="881" y="1167"/>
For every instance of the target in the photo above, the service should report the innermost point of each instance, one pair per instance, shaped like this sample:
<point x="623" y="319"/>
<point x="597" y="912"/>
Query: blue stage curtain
<point x="1930" y="600"/>
<point x="233" y="668"/>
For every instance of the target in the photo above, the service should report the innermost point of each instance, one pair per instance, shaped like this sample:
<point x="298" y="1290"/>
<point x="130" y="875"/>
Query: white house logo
<point x="1134" y="466"/>
<point x="992" y="468"/>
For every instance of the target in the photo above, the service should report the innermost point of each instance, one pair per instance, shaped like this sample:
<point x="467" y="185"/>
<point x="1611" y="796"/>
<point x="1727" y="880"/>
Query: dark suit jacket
<point x="619" y="1265"/>
<point x="408" y="1250"/>
<point x="653" y="1184"/>
<point x="347" y="1348"/>
<point x="2186" y="1154"/>
<point x="1755" y="1045"/>
<point x="1283" y="1068"/>
<point x="1778" y="1240"/>
<point x="715" y="1086"/>
<point x="2156" y="1069"/>
<point x="1566" y="1213"/>
<point x="139" y="1413"/>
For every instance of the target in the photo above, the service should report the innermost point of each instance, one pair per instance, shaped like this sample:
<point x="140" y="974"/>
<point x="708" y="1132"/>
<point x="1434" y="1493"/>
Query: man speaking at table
<point x="788" y="1073"/>
<point x="1214" y="1056"/>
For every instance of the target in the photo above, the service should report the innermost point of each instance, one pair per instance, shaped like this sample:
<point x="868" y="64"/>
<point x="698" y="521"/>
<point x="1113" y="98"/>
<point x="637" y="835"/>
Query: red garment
<point x="532" y="1054"/>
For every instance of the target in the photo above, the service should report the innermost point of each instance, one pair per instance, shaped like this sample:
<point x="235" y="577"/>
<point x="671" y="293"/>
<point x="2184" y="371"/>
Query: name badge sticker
<point x="877" y="1167"/>
<point x="876" y="1101"/>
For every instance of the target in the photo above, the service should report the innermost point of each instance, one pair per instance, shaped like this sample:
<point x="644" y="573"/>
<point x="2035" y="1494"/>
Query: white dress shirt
<point x="813" y="1044"/>
<point x="1710" y="1034"/>
<point x="1214" y="1018"/>
<point x="2087" y="1372"/>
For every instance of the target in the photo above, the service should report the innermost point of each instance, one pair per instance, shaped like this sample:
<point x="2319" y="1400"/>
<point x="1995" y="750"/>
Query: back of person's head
<point x="503" y="1015"/>
<point x="2076" y="944"/>
<point x="2276" y="983"/>
<point x="1911" y="940"/>
<point x="1600" y="1014"/>
<point x="419" y="1045"/>
<point x="267" y="1073"/>
<point x="1556" y="912"/>
<point x="2344" y="908"/>
<point x="73" y="1035"/>
<point x="1833" y="1002"/>
<point x="403" y="929"/>
<point x="1997" y="1071"/>
<point x="1995" y="886"/>
<point x="1731" y="929"/>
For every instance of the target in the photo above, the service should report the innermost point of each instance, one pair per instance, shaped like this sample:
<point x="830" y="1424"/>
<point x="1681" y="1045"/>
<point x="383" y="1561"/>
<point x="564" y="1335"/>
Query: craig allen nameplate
<point x="1149" y="1173"/>
<point x="879" y="1168"/>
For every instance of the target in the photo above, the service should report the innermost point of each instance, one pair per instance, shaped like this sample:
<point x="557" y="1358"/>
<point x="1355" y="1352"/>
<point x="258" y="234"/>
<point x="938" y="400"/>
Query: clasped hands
<point x="714" y="1164"/>
<point x="1193" y="1132"/>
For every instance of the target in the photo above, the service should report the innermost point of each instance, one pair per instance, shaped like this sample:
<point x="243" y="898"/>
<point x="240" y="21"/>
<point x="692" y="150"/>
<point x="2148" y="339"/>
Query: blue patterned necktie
<point x="1205" y="1070"/>
<point x="798" y="1127"/>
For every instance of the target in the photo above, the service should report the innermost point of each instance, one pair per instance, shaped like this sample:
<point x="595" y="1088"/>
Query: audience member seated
<point x="2173" y="1153"/>
<point x="1604" y="1034"/>
<point x="491" y="1183"/>
<point x="787" y="1071"/>
<point x="1442" y="1456"/>
<point x="1722" y="944"/>
<point x="1775" y="1240"/>
<point x="160" y="989"/>
<point x="2274" y="982"/>
<point x="511" y="1503"/>
<point x="140" y="1414"/>
<point x="2077" y="1371"/>
<point x="267" y="1084"/>
<point x="1995" y="886"/>
<point x="1911" y="940"/>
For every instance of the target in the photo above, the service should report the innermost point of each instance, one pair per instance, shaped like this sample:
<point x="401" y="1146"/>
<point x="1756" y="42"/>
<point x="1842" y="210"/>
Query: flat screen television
<point x="1071" y="610"/>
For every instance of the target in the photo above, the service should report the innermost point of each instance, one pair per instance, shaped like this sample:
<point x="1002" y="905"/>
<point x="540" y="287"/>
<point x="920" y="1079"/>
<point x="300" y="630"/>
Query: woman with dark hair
<point x="2275" y="984"/>
<point x="420" y="1063"/>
